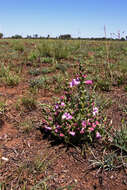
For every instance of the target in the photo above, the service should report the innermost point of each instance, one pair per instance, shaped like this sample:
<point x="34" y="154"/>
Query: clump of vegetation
<point x="8" y="77"/>
<point x="46" y="60"/>
<point x="18" y="46"/>
<point x="125" y="88"/>
<point x="34" y="72"/>
<point x="27" y="126"/>
<point x="4" y="70"/>
<point x="42" y="82"/>
<point x="47" y="70"/>
<point x="59" y="81"/>
<point x="107" y="162"/>
<point x="33" y="55"/>
<point x="2" y="107"/>
<point x="104" y="85"/>
<point x="119" y="138"/>
<point x="57" y="50"/>
<point x="12" y="79"/>
<point x="61" y="51"/>
<point x="45" y="49"/>
<point x="75" y="117"/>
<point x="119" y="78"/>
<point x="62" y="67"/>
<point x="29" y="102"/>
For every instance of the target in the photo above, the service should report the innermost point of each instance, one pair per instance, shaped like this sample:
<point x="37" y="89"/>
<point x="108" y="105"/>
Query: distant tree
<point x="65" y="36"/>
<point x="1" y="35"/>
<point x="122" y="39"/>
<point x="29" y="36"/>
<point x="35" y="35"/>
<point x="48" y="36"/>
<point x="126" y="37"/>
<point x="17" y="36"/>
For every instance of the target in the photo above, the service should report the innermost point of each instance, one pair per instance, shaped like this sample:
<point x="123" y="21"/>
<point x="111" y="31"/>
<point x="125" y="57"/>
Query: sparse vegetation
<point x="34" y="73"/>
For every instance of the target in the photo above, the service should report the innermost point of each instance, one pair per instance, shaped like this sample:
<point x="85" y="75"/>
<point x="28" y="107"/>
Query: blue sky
<point x="85" y="18"/>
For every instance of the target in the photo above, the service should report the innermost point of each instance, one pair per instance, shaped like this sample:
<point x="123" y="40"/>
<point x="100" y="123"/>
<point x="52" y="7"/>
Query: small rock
<point x="112" y="177"/>
<point x="65" y="171"/>
<point x="5" y="159"/>
<point x="75" y="180"/>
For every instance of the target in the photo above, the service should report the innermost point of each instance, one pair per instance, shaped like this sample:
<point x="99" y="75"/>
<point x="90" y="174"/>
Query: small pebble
<point x="5" y="159"/>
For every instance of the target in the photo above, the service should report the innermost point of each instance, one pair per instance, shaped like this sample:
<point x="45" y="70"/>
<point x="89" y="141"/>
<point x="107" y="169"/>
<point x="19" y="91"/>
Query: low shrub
<point x="12" y="80"/>
<point x="75" y="117"/>
<point x="29" y="102"/>
<point x="119" y="138"/>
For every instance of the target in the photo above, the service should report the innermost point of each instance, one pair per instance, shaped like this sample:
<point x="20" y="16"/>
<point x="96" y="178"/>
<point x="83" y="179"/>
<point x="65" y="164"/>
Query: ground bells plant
<point x="75" y="117"/>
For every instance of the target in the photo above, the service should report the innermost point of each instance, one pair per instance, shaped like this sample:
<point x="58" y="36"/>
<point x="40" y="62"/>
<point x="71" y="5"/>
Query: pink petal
<point x="61" y="135"/>
<point x="88" y="82"/>
<point x="72" y="133"/>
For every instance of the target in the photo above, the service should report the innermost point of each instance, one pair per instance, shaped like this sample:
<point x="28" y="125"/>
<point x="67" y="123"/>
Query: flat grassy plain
<point x="33" y="72"/>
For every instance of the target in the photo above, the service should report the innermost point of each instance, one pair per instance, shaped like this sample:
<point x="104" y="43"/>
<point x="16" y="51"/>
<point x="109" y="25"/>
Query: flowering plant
<point x="75" y="117"/>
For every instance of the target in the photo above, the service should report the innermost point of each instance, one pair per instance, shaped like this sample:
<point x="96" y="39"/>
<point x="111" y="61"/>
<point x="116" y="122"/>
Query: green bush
<point x="75" y="117"/>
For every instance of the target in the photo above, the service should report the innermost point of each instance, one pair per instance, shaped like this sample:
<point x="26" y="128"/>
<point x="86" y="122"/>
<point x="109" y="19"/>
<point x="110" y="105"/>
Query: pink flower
<point x="50" y="118"/>
<point x="97" y="123"/>
<point x="84" y="123"/>
<point x="48" y="128"/>
<point x="66" y="116"/>
<point x="56" y="130"/>
<point x="72" y="133"/>
<point x="69" y="116"/>
<point x="56" y="113"/>
<point x="88" y="122"/>
<point x="74" y="82"/>
<point x="56" y="106"/>
<point x="98" y="136"/>
<point x="84" y="76"/>
<point x="91" y="129"/>
<point x="95" y="111"/>
<point x="58" y="126"/>
<point x="88" y="82"/>
<point x="93" y="125"/>
<point x="44" y="121"/>
<point x="69" y="126"/>
<point x="62" y="104"/>
<point x="82" y="131"/>
<point x="62" y="97"/>
<point x="61" y="135"/>
<point x="93" y="104"/>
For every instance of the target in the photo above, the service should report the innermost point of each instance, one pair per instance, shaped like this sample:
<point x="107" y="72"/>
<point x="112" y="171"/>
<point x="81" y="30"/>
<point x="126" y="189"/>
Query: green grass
<point x="2" y="106"/>
<point x="29" y="102"/>
<point x="47" y="70"/>
<point x="12" y="80"/>
<point x="41" y="82"/>
<point x="26" y="126"/>
<point x="119" y="138"/>
<point x="34" y="72"/>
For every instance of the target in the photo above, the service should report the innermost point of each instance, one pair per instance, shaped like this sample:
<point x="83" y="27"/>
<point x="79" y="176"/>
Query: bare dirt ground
<point x="64" y="165"/>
